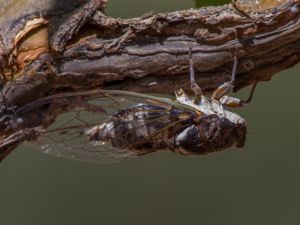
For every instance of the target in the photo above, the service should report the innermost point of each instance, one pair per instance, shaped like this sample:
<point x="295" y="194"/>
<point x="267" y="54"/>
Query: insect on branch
<point x="83" y="49"/>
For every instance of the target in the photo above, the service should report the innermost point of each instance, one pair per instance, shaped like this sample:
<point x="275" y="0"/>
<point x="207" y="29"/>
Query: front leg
<point x="194" y="86"/>
<point x="236" y="102"/>
<point x="227" y="87"/>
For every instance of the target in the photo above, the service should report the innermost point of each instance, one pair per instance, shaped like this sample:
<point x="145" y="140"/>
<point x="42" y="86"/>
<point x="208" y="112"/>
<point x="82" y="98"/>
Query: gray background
<point x="257" y="185"/>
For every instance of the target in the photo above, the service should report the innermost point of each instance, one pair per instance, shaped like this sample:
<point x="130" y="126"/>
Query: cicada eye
<point x="189" y="139"/>
<point x="236" y="130"/>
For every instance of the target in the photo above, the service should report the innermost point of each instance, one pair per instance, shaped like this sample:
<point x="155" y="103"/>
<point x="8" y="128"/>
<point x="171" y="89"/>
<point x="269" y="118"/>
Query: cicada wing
<point x="67" y="136"/>
<point x="73" y="144"/>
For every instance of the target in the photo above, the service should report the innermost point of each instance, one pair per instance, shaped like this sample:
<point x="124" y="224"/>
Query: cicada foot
<point x="245" y="14"/>
<point x="62" y="30"/>
<point x="220" y="94"/>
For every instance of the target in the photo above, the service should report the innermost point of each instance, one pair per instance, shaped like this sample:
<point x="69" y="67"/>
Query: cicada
<point x="109" y="125"/>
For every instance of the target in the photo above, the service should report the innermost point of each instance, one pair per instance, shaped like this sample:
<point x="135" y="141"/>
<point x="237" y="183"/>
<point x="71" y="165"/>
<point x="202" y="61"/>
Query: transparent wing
<point x="67" y="138"/>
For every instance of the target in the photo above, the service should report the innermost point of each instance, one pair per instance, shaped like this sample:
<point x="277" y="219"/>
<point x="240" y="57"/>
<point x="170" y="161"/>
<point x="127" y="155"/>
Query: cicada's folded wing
<point x="69" y="135"/>
<point x="72" y="143"/>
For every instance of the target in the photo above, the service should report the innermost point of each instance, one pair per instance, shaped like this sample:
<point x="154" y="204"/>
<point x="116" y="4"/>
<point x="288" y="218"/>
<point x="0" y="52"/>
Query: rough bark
<point x="148" y="54"/>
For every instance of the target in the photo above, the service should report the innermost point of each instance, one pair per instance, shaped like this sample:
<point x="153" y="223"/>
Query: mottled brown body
<point x="147" y="128"/>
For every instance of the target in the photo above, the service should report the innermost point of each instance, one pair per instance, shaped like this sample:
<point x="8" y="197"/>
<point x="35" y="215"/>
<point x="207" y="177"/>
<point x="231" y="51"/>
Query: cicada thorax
<point x="210" y="133"/>
<point x="143" y="128"/>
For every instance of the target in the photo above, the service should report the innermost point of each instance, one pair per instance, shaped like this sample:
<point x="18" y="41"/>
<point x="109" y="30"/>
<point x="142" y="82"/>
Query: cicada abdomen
<point x="143" y="128"/>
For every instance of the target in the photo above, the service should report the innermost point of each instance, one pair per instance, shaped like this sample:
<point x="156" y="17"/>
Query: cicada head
<point x="235" y="130"/>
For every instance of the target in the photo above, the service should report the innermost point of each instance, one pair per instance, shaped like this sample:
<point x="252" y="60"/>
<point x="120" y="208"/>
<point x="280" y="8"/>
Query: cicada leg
<point x="194" y="86"/>
<point x="220" y="94"/>
<point x="237" y="102"/>
<point x="226" y="87"/>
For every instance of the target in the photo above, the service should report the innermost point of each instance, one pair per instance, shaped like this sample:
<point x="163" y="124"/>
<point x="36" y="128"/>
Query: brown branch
<point x="148" y="54"/>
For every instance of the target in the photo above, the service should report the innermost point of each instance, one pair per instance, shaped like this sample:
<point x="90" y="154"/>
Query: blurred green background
<point x="257" y="185"/>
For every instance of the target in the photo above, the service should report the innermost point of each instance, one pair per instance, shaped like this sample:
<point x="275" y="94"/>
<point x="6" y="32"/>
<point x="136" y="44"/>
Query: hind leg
<point x="236" y="102"/>
<point x="220" y="94"/>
